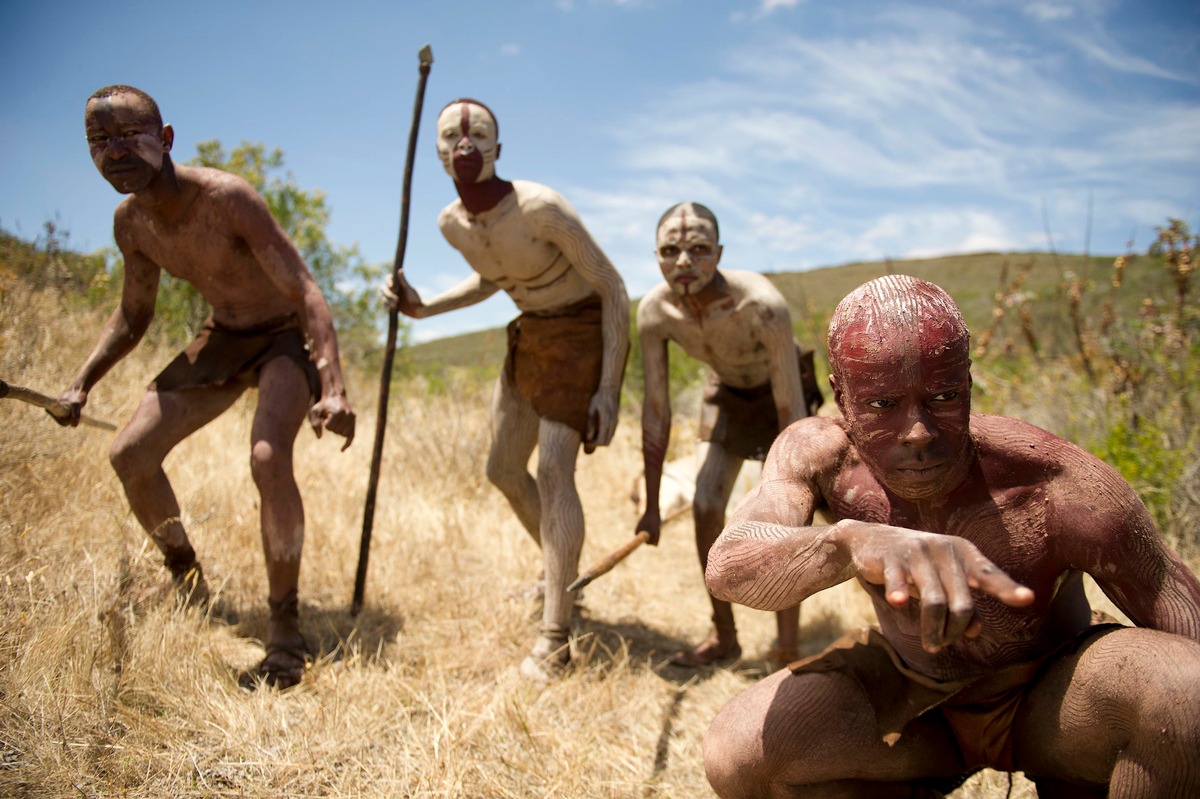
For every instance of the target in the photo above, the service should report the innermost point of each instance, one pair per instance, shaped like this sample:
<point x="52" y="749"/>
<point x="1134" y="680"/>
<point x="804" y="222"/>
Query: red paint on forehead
<point x="466" y="118"/>
<point x="897" y="322"/>
<point x="682" y="224"/>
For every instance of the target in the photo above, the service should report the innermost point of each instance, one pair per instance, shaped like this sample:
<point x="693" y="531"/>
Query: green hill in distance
<point x="973" y="280"/>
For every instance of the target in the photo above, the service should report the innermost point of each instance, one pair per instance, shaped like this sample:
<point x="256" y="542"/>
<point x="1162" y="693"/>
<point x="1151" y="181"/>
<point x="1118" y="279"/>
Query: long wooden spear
<point x="385" y="382"/>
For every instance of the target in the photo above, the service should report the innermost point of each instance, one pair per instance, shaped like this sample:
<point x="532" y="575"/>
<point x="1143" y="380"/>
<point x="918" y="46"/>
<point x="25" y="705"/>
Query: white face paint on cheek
<point x="148" y="148"/>
<point x="448" y="134"/>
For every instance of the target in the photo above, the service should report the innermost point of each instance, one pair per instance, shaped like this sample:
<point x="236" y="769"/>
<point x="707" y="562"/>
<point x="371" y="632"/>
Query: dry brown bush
<point x="108" y="689"/>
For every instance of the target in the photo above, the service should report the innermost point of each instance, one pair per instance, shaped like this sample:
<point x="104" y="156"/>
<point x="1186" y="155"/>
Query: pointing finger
<point x="986" y="576"/>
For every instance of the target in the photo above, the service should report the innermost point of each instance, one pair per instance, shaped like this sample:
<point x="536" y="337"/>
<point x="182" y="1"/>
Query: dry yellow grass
<point x="107" y="689"/>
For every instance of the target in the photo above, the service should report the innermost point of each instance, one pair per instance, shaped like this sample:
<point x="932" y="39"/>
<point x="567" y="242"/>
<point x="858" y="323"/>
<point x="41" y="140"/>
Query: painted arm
<point x="769" y="555"/>
<point x="786" y="388"/>
<point x="122" y="332"/>
<point x="559" y="224"/>
<point x="656" y="416"/>
<point x="1107" y="532"/>
<point x="274" y="251"/>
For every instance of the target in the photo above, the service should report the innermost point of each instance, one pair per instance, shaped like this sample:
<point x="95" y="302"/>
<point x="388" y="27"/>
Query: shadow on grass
<point x="604" y="646"/>
<point x="333" y="634"/>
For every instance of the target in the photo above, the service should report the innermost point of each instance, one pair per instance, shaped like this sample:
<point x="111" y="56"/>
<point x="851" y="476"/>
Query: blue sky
<point x="820" y="133"/>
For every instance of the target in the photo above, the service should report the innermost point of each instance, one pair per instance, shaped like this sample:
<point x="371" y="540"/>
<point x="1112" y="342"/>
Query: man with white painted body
<point x="567" y="350"/>
<point x="213" y="230"/>
<point x="738" y="323"/>
<point x="971" y="534"/>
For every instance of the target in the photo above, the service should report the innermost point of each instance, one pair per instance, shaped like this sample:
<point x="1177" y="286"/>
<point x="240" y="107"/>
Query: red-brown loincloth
<point x="979" y="711"/>
<point x="221" y="357"/>
<point x="745" y="421"/>
<point x="556" y="361"/>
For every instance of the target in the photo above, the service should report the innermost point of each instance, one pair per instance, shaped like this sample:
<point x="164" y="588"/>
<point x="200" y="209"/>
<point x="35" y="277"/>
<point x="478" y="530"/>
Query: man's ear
<point x="168" y="138"/>
<point x="719" y="252"/>
<point x="837" y="393"/>
<point x="497" y="151"/>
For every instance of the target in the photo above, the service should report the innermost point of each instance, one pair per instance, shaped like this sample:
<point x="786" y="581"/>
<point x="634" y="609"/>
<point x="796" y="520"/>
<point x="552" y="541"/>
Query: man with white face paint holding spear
<point x="566" y="356"/>
<point x="738" y="323"/>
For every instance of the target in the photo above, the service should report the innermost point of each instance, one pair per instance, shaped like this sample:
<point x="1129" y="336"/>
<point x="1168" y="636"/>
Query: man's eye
<point x="97" y="139"/>
<point x="699" y="251"/>
<point x="879" y="404"/>
<point x="669" y="252"/>
<point x="945" y="396"/>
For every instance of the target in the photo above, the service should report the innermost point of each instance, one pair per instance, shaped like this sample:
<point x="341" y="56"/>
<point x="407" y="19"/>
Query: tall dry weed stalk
<point x="1124" y="385"/>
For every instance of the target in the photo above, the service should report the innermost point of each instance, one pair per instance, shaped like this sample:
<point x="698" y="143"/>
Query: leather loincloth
<point x="219" y="356"/>
<point x="979" y="711"/>
<point x="556" y="361"/>
<point x="745" y="421"/>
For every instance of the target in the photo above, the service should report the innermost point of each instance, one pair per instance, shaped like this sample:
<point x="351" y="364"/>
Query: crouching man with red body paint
<point x="971" y="534"/>
<point x="270" y="327"/>
<point x="566" y="351"/>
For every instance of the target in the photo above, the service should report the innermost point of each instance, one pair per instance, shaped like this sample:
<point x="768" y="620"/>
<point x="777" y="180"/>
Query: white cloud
<point x="905" y="134"/>
<point x="1049" y="12"/>
<point x="510" y="49"/>
<point x="771" y="6"/>
<point x="929" y="232"/>
<point x="1108" y="54"/>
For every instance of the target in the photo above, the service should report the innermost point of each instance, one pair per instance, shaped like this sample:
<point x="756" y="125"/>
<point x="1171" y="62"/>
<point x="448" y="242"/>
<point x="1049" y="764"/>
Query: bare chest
<point x="219" y="265"/>
<point x="731" y="343"/>
<point x="1012" y="527"/>
<point x="505" y="249"/>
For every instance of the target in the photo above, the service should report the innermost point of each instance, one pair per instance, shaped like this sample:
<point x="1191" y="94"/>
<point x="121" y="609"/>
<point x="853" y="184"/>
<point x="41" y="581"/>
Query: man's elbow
<point x="721" y="580"/>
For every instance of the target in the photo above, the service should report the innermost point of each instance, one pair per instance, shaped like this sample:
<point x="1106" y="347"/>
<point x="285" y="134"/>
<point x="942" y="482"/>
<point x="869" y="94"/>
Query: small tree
<point x="347" y="282"/>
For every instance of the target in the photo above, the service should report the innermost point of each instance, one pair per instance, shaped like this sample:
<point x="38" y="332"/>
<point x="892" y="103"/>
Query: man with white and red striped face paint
<point x="566" y="356"/>
<point x="971" y="534"/>
<point x="738" y="323"/>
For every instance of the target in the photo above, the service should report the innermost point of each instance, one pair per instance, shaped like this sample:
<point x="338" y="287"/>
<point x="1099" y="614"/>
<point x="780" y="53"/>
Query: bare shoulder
<point x="753" y="287"/>
<point x="756" y="294"/>
<point x="229" y="197"/>
<point x="451" y="216"/>
<point x="542" y="204"/>
<point x="127" y="222"/>
<point x="651" y="310"/>
<point x="1021" y="449"/>
<point x="811" y="448"/>
<point x="1075" y="483"/>
<point x="218" y="184"/>
<point x="532" y="195"/>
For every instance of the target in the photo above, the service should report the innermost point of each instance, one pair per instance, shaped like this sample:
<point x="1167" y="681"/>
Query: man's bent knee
<point x="733" y="756"/>
<point x="129" y="460"/>
<point x="505" y="475"/>
<point x="269" y="462"/>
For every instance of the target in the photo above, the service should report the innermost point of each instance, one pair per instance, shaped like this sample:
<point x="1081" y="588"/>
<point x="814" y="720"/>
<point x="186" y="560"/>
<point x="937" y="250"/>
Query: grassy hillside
<point x="973" y="280"/>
